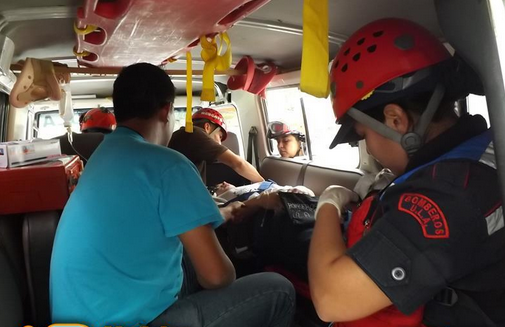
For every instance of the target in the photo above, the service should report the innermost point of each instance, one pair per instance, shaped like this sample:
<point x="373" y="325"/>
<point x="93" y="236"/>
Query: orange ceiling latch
<point x="122" y="32"/>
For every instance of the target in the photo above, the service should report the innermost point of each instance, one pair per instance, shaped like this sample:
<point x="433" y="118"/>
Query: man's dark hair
<point x="97" y="130"/>
<point x="201" y="123"/>
<point x="459" y="80"/>
<point x="81" y="117"/>
<point x="416" y="105"/>
<point x="140" y="91"/>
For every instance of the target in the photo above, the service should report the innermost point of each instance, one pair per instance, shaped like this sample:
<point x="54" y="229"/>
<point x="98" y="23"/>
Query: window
<point x="285" y="104"/>
<point x="49" y="124"/>
<point x="180" y="117"/>
<point x="46" y="122"/>
<point x="477" y="106"/>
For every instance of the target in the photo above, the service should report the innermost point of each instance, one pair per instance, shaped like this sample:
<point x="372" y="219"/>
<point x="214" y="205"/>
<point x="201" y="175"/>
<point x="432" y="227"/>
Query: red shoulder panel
<point x="427" y="213"/>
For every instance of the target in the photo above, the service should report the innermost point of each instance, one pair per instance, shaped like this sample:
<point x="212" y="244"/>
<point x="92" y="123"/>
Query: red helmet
<point x="277" y="128"/>
<point x="378" y="53"/>
<point x="98" y="119"/>
<point x="214" y="117"/>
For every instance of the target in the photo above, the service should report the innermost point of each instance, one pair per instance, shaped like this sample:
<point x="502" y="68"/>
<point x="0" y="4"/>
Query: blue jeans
<point x="259" y="300"/>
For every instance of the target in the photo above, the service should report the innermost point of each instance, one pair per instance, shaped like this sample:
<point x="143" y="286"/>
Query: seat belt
<point x="301" y="176"/>
<point x="253" y="146"/>
<point x="449" y="297"/>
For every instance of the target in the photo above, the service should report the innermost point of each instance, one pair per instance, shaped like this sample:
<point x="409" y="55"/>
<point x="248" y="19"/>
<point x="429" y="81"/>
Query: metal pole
<point x="307" y="135"/>
<point x="471" y="27"/>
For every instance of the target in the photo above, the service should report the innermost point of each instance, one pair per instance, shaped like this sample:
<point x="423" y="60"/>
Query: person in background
<point x="428" y="250"/>
<point x="93" y="124"/>
<point x="290" y="143"/>
<point x="204" y="145"/>
<point x="117" y="255"/>
<point x="97" y="120"/>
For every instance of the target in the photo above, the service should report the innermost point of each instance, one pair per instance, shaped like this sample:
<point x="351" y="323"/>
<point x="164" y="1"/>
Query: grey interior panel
<point x="287" y="172"/>
<point x="318" y="178"/>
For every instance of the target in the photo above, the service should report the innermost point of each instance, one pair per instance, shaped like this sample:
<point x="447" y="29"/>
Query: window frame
<point x="37" y="115"/>
<point x="309" y="156"/>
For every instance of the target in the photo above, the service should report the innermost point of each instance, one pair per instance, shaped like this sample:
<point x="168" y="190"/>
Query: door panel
<point x="290" y="172"/>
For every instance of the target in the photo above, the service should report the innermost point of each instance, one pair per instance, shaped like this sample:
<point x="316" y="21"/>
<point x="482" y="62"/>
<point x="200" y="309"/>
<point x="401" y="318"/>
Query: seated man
<point x="204" y="145"/>
<point x="97" y="120"/>
<point x="428" y="250"/>
<point x="93" y="124"/>
<point x="290" y="143"/>
<point x="118" y="248"/>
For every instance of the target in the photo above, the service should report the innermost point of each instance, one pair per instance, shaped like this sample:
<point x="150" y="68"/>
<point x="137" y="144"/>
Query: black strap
<point x="252" y="145"/>
<point x="449" y="297"/>
<point x="301" y="175"/>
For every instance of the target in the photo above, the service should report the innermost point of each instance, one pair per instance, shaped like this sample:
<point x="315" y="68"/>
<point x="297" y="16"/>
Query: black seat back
<point x="83" y="144"/>
<point x="11" y="312"/>
<point x="218" y="172"/>
<point x="39" y="229"/>
<point x="231" y="143"/>
<point x="13" y="297"/>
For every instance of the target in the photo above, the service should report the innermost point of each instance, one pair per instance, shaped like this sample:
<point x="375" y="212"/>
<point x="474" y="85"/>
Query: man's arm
<point x="232" y="211"/>
<point x="213" y="267"/>
<point x="247" y="209"/>
<point x="340" y="289"/>
<point x="241" y="166"/>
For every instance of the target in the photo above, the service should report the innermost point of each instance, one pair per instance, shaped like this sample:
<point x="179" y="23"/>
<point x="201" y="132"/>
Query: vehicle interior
<point x="270" y="34"/>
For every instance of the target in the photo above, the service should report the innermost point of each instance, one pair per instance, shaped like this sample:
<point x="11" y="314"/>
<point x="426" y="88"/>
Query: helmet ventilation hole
<point x="344" y="68"/>
<point x="371" y="48"/>
<point x="347" y="51"/>
<point x="356" y="56"/>
<point x="361" y="41"/>
<point x="378" y="33"/>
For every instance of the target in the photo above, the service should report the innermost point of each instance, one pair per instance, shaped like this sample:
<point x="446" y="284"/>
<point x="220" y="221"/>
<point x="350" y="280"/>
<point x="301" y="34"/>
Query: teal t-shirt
<point x="117" y="256"/>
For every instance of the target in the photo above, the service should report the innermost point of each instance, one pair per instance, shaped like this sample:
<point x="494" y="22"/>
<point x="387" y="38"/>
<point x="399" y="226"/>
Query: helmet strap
<point x="410" y="141"/>
<point x="215" y="131"/>
<point x="374" y="124"/>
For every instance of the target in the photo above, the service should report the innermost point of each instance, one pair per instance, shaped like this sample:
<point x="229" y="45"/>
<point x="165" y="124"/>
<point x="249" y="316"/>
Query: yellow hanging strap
<point x="81" y="54"/>
<point x="84" y="31"/>
<point x="314" y="77"/>
<point x="213" y="61"/>
<point x="189" y="94"/>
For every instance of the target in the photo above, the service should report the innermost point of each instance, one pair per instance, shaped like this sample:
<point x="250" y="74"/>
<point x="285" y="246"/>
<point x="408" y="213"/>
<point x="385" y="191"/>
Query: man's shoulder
<point x="198" y="141"/>
<point x="163" y="153"/>
<point x="456" y="171"/>
<point x="197" y="131"/>
<point x="181" y="138"/>
<point x="457" y="186"/>
<point x="159" y="156"/>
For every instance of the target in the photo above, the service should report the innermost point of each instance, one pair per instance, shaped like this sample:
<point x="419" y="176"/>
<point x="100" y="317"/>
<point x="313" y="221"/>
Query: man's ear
<point x="207" y="127"/>
<point x="164" y="113"/>
<point x="396" y="118"/>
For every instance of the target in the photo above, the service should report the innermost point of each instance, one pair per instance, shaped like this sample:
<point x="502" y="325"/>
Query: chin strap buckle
<point x="411" y="142"/>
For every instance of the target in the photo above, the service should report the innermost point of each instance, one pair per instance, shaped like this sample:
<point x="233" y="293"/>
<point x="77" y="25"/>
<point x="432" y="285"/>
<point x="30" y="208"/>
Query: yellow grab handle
<point x="189" y="94"/>
<point x="213" y="61"/>
<point x="314" y="77"/>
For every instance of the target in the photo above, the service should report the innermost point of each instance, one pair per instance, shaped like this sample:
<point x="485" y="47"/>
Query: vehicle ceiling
<point x="44" y="29"/>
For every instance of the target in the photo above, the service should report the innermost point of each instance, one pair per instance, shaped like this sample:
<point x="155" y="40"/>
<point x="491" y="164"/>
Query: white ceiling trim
<point x="35" y="13"/>
<point x="333" y="38"/>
